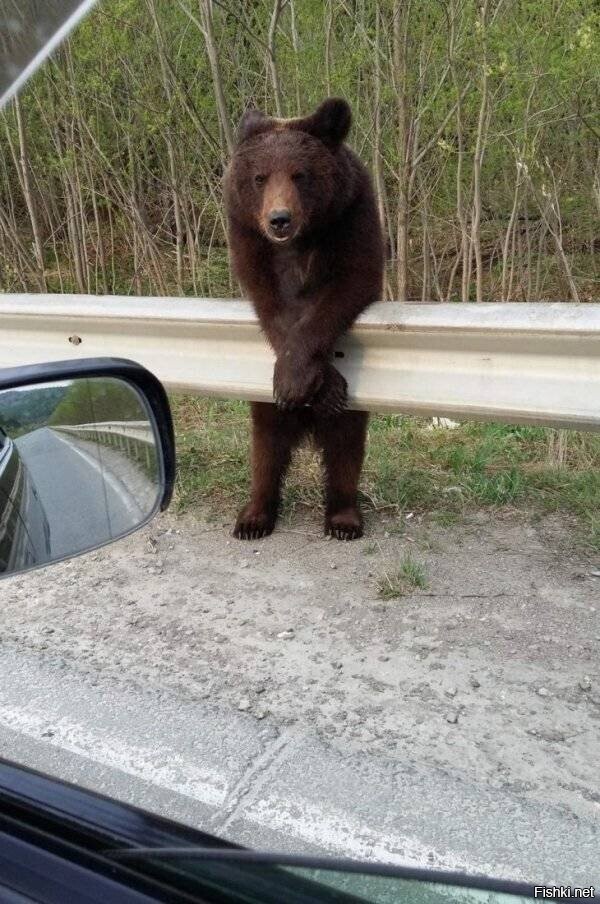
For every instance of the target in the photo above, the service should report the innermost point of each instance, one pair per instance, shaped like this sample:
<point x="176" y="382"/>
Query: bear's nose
<point x="280" y="219"/>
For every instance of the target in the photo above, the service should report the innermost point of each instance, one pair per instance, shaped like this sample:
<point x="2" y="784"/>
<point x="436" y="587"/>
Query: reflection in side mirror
<point x="80" y="465"/>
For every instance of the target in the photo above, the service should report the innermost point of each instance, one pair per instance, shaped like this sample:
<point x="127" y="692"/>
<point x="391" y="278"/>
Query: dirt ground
<point x="490" y="672"/>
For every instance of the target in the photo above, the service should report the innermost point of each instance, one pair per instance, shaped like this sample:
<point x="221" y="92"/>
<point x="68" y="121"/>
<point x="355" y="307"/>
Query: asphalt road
<point x="282" y="790"/>
<point x="264" y="693"/>
<point x="86" y="504"/>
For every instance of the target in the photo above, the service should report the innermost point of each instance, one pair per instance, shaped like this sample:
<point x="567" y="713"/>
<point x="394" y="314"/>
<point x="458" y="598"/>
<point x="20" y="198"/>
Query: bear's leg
<point x="342" y="438"/>
<point x="274" y="434"/>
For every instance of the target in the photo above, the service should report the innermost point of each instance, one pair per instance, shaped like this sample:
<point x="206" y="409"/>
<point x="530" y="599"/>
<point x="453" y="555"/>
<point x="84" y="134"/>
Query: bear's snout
<point x="281" y="209"/>
<point x="280" y="222"/>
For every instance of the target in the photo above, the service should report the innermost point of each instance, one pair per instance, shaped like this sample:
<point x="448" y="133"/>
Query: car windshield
<point x="358" y="243"/>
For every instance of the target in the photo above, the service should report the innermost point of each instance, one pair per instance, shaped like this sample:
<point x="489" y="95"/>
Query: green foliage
<point x="122" y="127"/>
<point x="409" y="576"/>
<point x="409" y="467"/>
<point x="27" y="409"/>
<point x="212" y="450"/>
<point x="96" y="400"/>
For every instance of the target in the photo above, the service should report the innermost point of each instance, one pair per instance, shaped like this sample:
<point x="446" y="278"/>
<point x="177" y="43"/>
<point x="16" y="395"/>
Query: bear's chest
<point x="296" y="276"/>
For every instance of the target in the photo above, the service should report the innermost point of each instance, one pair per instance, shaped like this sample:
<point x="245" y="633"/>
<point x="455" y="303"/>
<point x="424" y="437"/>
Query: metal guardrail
<point x="530" y="363"/>
<point x="141" y="431"/>
<point x="133" y="438"/>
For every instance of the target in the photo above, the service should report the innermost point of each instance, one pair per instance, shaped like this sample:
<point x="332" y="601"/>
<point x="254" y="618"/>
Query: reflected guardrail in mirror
<point x="71" y="478"/>
<point x="128" y="458"/>
<point x="135" y="438"/>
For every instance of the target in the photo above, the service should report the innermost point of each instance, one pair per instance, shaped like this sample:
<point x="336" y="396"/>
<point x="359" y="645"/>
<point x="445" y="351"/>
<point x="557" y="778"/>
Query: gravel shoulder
<point x="489" y="675"/>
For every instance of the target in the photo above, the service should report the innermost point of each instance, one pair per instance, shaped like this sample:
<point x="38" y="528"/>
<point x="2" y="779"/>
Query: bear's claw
<point x="345" y="525"/>
<point x="253" y="525"/>
<point x="333" y="395"/>
<point x="332" y="398"/>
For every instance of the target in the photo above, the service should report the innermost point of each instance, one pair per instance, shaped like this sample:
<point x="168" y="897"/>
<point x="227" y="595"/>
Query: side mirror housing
<point x="87" y="455"/>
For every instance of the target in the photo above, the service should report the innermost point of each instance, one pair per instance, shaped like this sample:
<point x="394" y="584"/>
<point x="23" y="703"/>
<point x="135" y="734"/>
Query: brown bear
<point x="306" y="246"/>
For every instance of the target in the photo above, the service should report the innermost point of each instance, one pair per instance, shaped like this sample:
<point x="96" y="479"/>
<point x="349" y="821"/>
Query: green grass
<point x="408" y="468"/>
<point x="408" y="577"/>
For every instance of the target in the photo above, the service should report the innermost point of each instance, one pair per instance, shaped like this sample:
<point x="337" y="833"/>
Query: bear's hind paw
<point x="253" y="524"/>
<point x="344" y="525"/>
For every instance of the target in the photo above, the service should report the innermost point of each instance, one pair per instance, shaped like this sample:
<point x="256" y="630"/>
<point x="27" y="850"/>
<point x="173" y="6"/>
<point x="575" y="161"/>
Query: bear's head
<point x="287" y="176"/>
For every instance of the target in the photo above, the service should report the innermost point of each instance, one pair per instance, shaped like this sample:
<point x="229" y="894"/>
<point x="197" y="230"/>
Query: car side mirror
<point x="87" y="455"/>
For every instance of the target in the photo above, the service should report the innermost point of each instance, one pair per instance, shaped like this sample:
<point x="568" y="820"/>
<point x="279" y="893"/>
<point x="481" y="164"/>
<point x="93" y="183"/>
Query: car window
<point x="370" y="634"/>
<point x="30" y="29"/>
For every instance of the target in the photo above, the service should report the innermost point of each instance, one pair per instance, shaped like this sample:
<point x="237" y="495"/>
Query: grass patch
<point x="593" y="532"/>
<point x="408" y="577"/>
<point x="212" y="450"/>
<point x="445" y="473"/>
<point x="446" y="519"/>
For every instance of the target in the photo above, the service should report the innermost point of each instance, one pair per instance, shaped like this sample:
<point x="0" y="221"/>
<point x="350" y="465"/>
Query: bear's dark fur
<point x="306" y="246"/>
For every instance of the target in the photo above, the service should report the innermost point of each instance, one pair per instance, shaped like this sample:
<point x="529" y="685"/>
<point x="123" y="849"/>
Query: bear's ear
<point x="330" y="122"/>
<point x="252" y="123"/>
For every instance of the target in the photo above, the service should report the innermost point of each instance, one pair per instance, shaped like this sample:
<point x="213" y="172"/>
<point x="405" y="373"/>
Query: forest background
<point x="479" y="120"/>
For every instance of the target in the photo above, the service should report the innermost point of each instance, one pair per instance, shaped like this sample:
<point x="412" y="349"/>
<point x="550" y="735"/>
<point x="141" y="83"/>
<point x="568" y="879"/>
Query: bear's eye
<point x="298" y="177"/>
<point x="259" y="179"/>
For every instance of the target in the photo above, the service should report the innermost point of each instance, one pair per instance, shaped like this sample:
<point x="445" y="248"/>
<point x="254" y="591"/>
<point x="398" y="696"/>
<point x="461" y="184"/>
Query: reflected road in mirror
<point x="84" y="488"/>
<point x="78" y="467"/>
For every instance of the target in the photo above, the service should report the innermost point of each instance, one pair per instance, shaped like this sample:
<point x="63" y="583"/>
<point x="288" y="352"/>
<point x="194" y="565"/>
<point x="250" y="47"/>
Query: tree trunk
<point x="29" y="200"/>
<point x="277" y="7"/>
<point x="206" y="15"/>
<point x="400" y="46"/>
<point x="478" y="159"/>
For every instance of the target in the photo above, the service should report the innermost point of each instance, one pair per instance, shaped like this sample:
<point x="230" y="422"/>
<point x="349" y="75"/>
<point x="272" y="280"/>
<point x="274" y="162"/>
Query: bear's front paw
<point x="254" y="522"/>
<point x="332" y="397"/>
<point x="295" y="381"/>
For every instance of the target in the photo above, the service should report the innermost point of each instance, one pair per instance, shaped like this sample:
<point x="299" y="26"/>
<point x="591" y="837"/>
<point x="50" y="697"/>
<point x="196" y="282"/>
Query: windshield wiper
<point x="315" y="862"/>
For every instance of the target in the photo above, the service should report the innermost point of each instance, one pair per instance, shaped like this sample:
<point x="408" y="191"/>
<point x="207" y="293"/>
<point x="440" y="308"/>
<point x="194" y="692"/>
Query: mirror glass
<point x="79" y="466"/>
